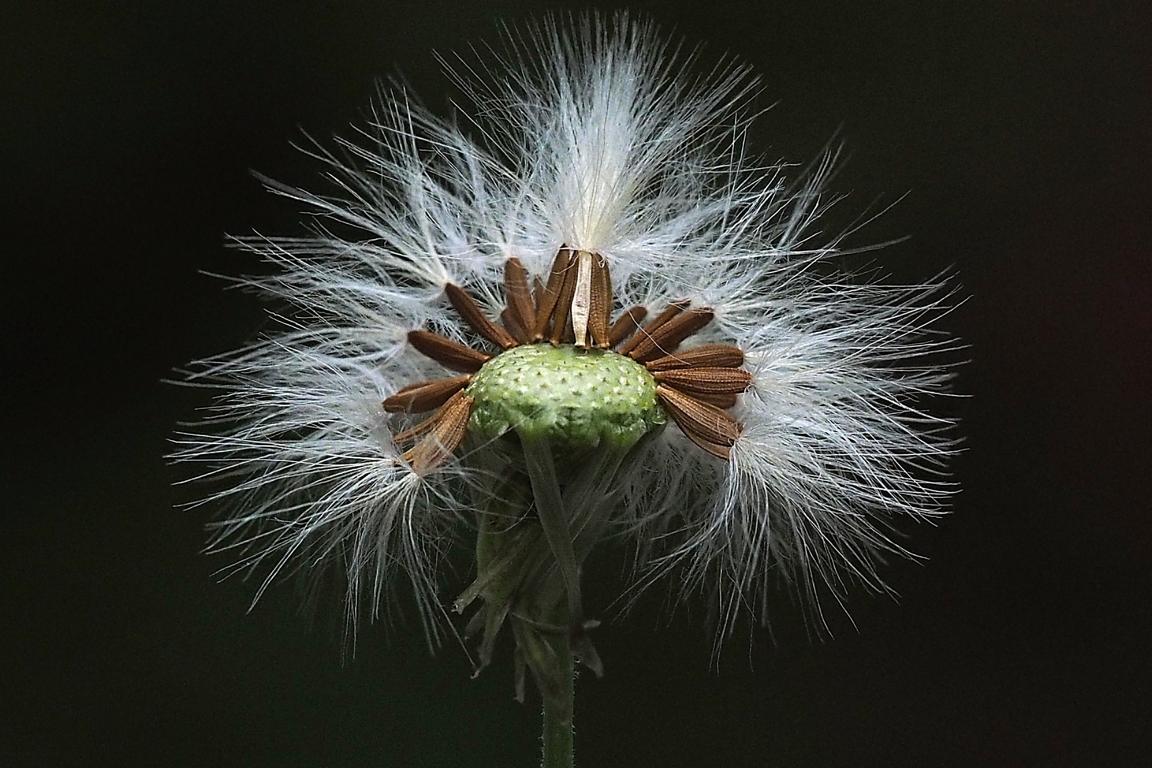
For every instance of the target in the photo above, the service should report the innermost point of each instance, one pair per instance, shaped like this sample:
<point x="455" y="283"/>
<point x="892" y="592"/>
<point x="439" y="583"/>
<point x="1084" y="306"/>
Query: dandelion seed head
<point x="588" y="250"/>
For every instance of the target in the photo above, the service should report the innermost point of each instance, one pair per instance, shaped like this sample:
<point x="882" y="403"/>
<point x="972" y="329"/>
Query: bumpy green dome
<point x="571" y="396"/>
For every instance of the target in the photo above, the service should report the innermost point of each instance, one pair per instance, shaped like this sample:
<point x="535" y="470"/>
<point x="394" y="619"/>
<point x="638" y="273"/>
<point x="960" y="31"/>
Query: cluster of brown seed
<point x="695" y="386"/>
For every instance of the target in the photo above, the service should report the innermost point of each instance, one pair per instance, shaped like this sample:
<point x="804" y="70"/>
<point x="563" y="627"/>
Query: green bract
<point x="571" y="396"/>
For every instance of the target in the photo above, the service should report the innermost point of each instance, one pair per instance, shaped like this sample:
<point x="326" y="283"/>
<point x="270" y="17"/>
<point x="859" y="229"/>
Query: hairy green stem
<point x="553" y="515"/>
<point x="558" y="711"/>
<point x="536" y="524"/>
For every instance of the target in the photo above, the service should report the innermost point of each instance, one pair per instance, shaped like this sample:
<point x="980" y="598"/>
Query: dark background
<point x="1020" y="131"/>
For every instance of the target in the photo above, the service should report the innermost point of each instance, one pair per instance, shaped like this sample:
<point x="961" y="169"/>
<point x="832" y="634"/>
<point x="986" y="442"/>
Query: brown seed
<point x="547" y="295"/>
<point x="517" y="294"/>
<point x="508" y="317"/>
<point x="667" y="337"/>
<point x="475" y="317"/>
<point x="418" y="429"/>
<point x="626" y="324"/>
<point x="448" y="353"/>
<point x="417" y="398"/>
<point x="719" y="451"/>
<point x="670" y="311"/>
<point x="567" y="335"/>
<point x="442" y="438"/>
<point x="720" y="400"/>
<point x="561" y="331"/>
<point x="707" y="355"/>
<point x="706" y="424"/>
<point x="537" y="293"/>
<point x="601" y="303"/>
<point x="730" y="381"/>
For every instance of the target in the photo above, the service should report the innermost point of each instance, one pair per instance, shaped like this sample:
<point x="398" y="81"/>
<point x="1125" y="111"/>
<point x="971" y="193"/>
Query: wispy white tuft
<point x="598" y="136"/>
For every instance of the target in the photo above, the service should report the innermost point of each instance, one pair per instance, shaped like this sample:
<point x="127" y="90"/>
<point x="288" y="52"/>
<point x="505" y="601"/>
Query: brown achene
<point x="574" y="306"/>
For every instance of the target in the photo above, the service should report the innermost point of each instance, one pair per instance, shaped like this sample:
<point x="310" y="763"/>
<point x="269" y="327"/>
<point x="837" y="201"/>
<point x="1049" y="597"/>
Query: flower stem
<point x="554" y="516"/>
<point x="558" y="710"/>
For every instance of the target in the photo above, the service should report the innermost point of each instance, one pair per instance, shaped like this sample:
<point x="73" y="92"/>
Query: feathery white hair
<point x="595" y="138"/>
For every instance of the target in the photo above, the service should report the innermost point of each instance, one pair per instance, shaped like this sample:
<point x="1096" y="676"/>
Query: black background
<point x="1019" y="130"/>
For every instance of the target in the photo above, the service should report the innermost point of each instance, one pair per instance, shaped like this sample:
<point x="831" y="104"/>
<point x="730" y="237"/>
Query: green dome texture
<point x="571" y="396"/>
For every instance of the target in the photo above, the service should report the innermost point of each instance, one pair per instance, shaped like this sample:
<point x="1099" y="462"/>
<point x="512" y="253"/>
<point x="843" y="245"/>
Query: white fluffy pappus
<point x="592" y="137"/>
